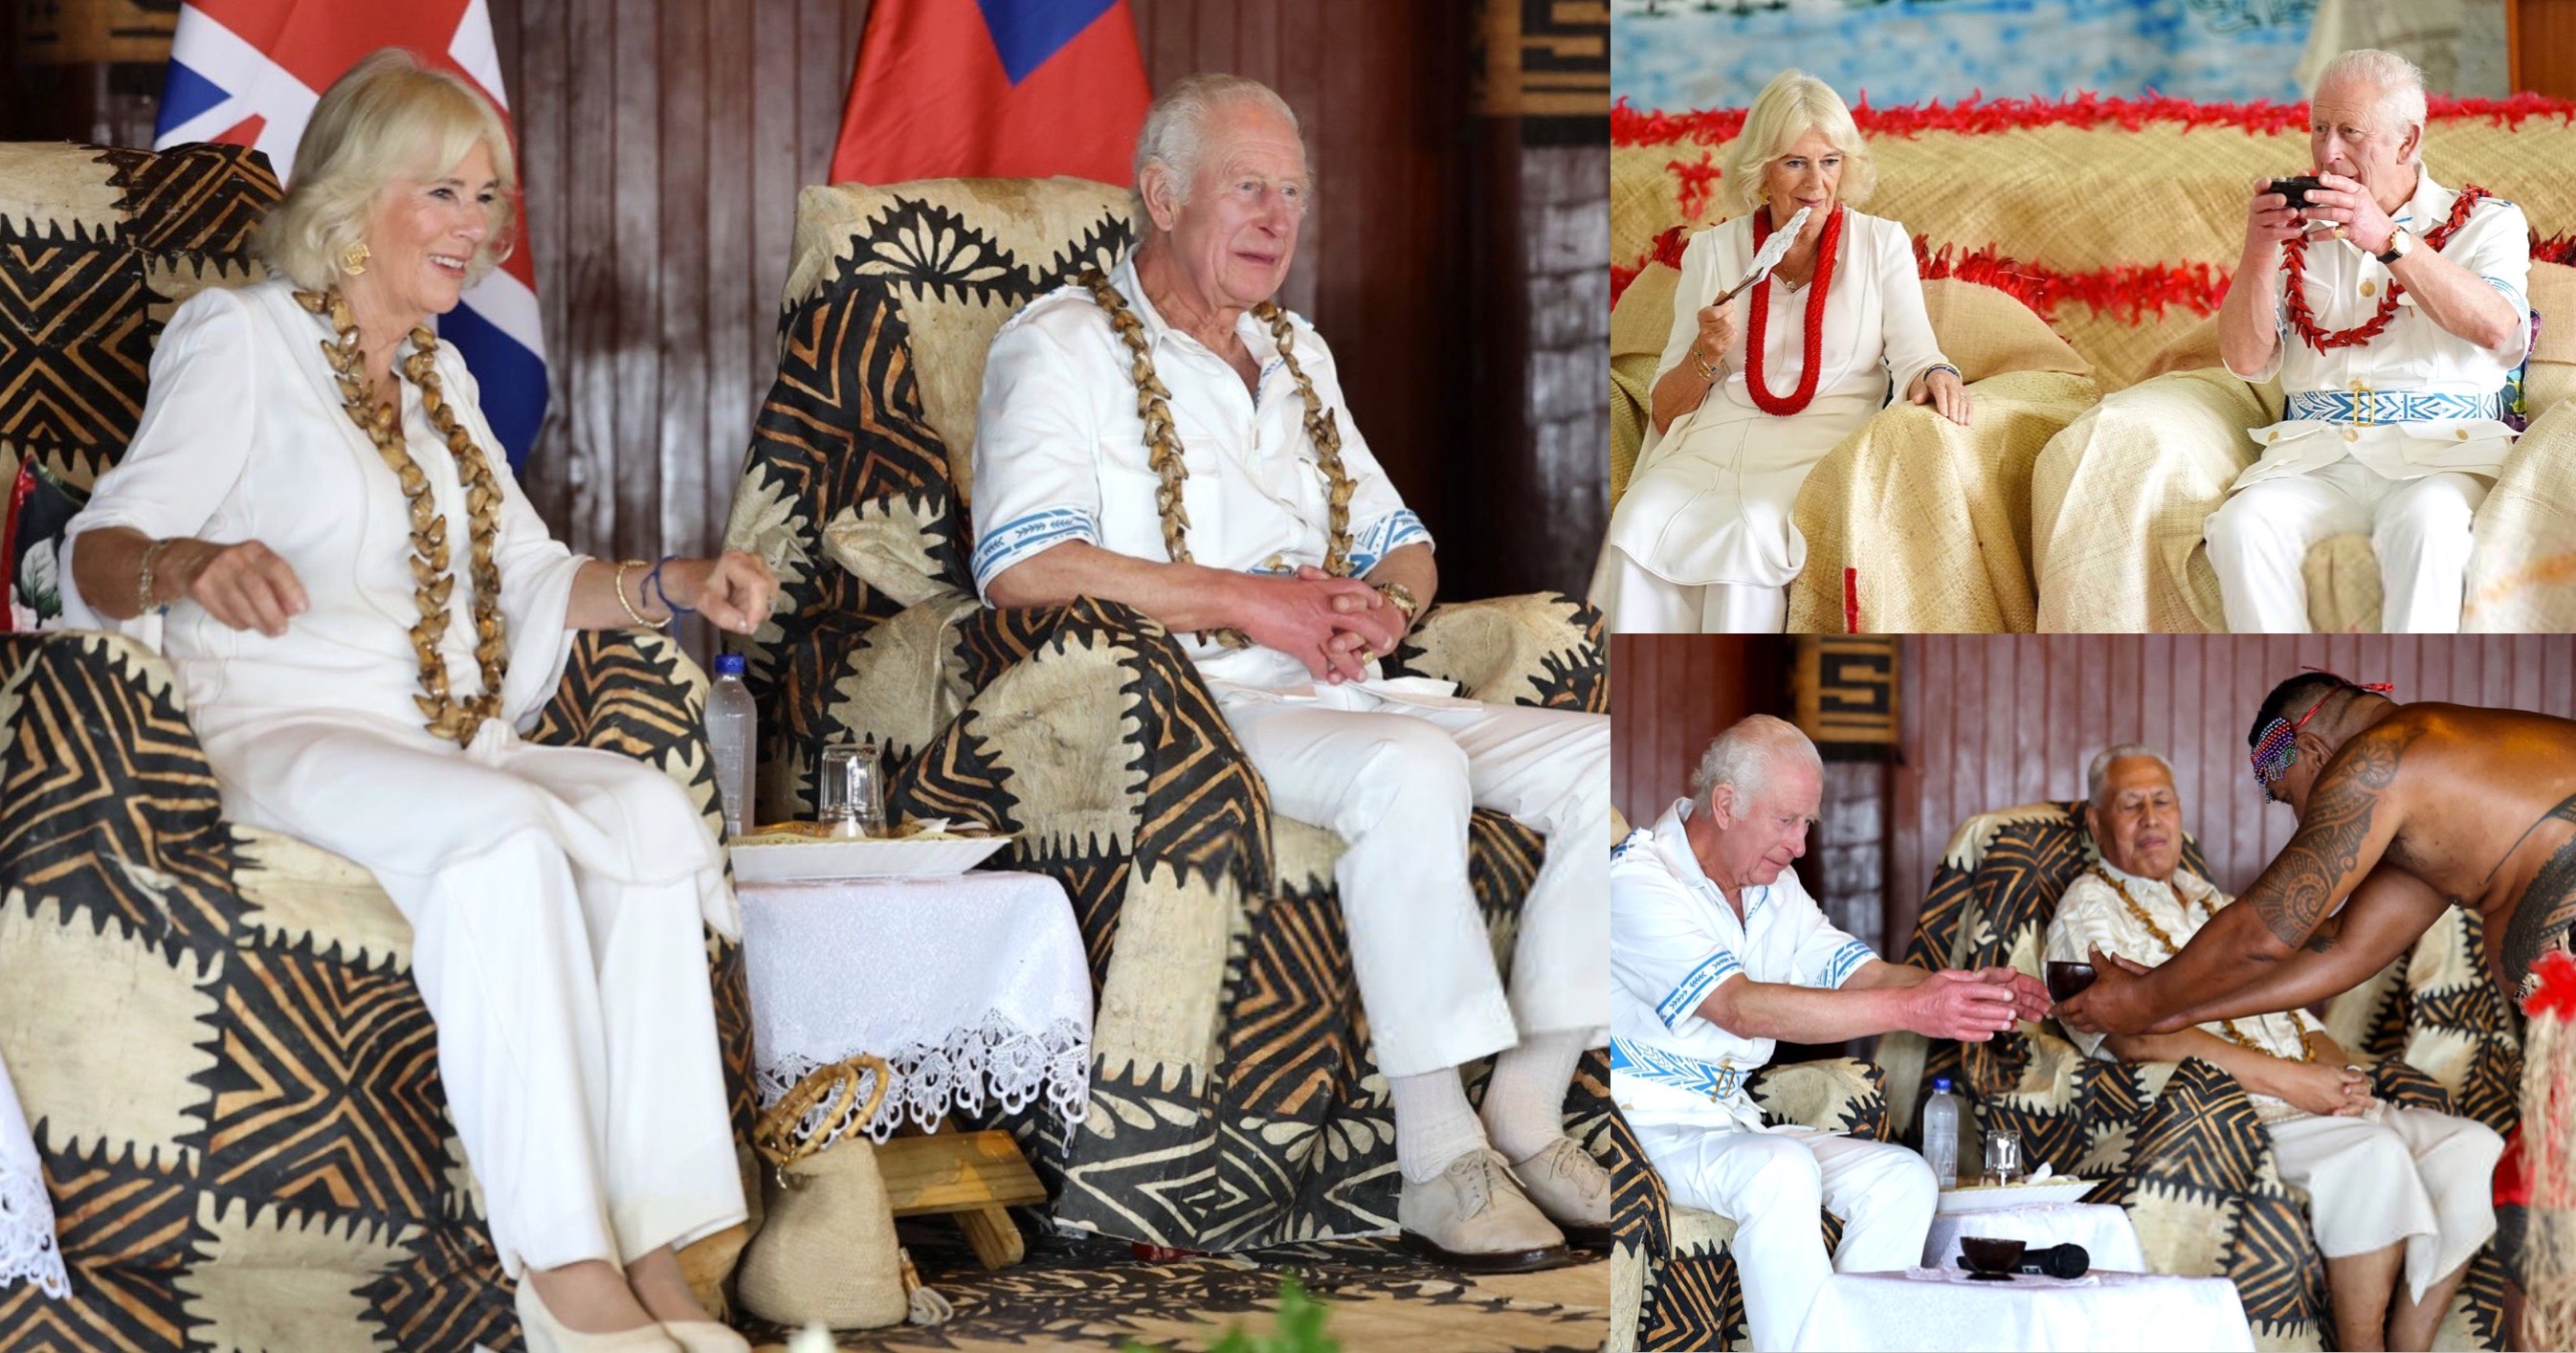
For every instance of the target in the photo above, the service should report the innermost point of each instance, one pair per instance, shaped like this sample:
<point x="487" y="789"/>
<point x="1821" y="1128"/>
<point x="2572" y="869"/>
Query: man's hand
<point x="1371" y="630"/>
<point x="246" y="585"/>
<point x="2327" y="1091"/>
<point x="1958" y="1004"/>
<point x="2269" y="222"/>
<point x="2348" y="204"/>
<point x="2029" y="994"/>
<point x="1302" y="616"/>
<point x="2113" y="1004"/>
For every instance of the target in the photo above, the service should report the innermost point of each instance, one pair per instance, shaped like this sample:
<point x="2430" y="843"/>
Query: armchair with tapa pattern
<point x="2180" y="1143"/>
<point x="1233" y="1103"/>
<point x="213" y="1029"/>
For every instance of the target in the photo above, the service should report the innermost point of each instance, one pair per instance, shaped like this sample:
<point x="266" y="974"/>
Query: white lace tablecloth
<point x="1925" y="1308"/>
<point x="973" y="988"/>
<point x="2104" y="1232"/>
<point x="27" y="1249"/>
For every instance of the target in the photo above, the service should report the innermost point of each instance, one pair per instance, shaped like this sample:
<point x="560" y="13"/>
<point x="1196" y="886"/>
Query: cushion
<point x="2552" y="376"/>
<point x="1986" y="332"/>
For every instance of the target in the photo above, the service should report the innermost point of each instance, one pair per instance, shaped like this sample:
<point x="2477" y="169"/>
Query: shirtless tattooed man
<point x="2403" y="810"/>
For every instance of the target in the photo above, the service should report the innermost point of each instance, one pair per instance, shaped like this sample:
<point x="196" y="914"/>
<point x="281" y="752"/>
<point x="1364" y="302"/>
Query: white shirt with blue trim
<point x="2448" y="379"/>
<point x="1060" y="456"/>
<point x="1673" y="940"/>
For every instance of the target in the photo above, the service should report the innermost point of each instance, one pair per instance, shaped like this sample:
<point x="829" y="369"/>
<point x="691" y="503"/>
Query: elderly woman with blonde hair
<point x="362" y="609"/>
<point x="1755" y="386"/>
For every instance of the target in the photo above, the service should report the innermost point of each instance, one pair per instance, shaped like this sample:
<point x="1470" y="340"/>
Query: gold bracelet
<point x="620" y="588"/>
<point x="145" y="585"/>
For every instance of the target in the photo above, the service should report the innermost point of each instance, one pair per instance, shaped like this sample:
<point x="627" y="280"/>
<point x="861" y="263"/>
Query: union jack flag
<point x="248" y="72"/>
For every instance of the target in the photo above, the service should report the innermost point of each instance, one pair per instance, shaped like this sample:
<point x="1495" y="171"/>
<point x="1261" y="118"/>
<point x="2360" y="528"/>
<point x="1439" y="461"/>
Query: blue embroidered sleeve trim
<point x="1680" y="1005"/>
<point x="1846" y="961"/>
<point x="1387" y="534"/>
<point x="1020" y="537"/>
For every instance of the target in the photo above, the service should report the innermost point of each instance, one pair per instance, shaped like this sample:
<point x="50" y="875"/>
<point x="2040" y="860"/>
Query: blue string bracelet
<point x="654" y="580"/>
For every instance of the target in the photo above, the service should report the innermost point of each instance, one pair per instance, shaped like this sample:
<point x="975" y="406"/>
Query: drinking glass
<point x="2003" y="1155"/>
<point x="849" y="790"/>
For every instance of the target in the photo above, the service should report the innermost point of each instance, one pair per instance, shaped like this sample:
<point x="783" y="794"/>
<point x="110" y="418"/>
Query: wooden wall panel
<point x="1994" y="721"/>
<point x="1669" y="694"/>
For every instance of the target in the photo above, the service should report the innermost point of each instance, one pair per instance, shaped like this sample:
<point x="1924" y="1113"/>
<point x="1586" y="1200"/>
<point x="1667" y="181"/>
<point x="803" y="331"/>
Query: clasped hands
<point x="1336" y="626"/>
<point x="1972" y="1005"/>
<point x="2343" y="202"/>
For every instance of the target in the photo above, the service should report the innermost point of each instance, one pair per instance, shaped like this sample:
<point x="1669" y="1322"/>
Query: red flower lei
<point x="1761" y="306"/>
<point x="2304" y="320"/>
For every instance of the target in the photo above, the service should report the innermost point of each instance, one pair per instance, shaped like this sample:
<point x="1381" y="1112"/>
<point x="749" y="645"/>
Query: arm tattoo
<point x="2318" y="943"/>
<point x="2329" y="842"/>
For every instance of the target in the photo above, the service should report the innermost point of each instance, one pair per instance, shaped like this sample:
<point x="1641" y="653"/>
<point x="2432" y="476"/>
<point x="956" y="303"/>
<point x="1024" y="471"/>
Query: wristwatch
<point x="2400" y="244"/>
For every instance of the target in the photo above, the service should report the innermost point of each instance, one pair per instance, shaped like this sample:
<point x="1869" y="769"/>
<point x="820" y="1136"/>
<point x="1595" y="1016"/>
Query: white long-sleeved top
<point x="1673" y="940"/>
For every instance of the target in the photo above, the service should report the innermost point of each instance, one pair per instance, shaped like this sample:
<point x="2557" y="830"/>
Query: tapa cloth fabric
<point x="1945" y="1309"/>
<point x="974" y="989"/>
<point x="538" y="880"/>
<point x="1713" y="496"/>
<point x="2401" y="1174"/>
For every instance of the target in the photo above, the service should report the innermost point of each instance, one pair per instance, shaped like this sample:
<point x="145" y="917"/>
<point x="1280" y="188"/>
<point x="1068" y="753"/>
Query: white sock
<point x="1525" y="1098"/>
<point x="1434" y="1124"/>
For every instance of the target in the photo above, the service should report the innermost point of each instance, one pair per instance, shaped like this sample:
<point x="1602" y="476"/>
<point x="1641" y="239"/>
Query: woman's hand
<point x="1716" y="332"/>
<point x="245" y="586"/>
<point x="1940" y="388"/>
<point x="2327" y="1091"/>
<point x="732" y="590"/>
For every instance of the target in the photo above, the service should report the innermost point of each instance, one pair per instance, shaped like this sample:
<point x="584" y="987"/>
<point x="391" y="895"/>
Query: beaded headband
<point x="2279" y="745"/>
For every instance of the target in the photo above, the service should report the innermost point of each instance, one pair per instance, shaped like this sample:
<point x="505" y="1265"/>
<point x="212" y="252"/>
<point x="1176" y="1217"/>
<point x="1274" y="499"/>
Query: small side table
<point x="973" y="988"/>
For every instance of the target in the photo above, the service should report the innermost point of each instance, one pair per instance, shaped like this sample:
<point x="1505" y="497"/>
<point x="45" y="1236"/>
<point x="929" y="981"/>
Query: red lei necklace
<point x="1753" y="339"/>
<point x="2304" y="320"/>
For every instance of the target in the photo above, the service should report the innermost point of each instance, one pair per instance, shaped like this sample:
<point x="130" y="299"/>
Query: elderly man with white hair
<point x="1716" y="952"/>
<point x="1168" y="437"/>
<point x="2390" y="1186"/>
<point x="2392" y="309"/>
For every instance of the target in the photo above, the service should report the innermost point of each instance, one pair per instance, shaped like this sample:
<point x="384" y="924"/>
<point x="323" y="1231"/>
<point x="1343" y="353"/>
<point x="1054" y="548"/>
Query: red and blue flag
<point x="248" y="72"/>
<point x="994" y="88"/>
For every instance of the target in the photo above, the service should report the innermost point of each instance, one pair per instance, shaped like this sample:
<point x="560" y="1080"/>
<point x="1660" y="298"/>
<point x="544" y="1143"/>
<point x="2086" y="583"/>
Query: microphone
<point x="2057" y="1261"/>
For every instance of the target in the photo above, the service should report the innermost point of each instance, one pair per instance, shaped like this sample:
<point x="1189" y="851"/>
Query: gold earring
<point x="353" y="260"/>
<point x="1763" y="196"/>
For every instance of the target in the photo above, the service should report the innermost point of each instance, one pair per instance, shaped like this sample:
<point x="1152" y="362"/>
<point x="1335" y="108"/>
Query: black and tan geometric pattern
<point x="2181" y="1144"/>
<point x="231" y="1078"/>
<point x="1673" y="1278"/>
<point x="1233" y="1103"/>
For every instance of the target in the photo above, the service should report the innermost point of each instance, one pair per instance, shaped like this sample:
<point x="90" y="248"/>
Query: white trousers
<point x="2418" y="1176"/>
<point x="1771" y="1183"/>
<point x="1398" y="782"/>
<point x="2419" y="529"/>
<point x="1635" y="600"/>
<point x="576" y="1024"/>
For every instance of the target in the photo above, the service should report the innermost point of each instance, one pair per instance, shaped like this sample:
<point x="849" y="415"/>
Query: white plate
<point x="776" y="855"/>
<point x="1984" y="1197"/>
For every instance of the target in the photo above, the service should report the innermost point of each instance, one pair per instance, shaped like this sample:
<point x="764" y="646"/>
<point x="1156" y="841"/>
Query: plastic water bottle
<point x="732" y="735"/>
<point x="1941" y="1133"/>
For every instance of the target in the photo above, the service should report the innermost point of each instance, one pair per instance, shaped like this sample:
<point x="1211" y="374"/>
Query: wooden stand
<point x="971" y="1175"/>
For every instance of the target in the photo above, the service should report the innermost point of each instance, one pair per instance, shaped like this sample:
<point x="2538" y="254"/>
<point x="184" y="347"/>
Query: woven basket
<point x="826" y="1250"/>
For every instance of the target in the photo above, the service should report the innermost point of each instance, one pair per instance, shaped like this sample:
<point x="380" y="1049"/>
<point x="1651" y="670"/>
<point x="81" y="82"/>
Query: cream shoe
<point x="1572" y="1188"/>
<point x="545" y="1334"/>
<point x="1474" y="1217"/>
<point x="705" y="1336"/>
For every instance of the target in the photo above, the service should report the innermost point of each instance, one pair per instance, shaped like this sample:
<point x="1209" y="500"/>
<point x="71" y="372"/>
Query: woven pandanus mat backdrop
<point x="2118" y="220"/>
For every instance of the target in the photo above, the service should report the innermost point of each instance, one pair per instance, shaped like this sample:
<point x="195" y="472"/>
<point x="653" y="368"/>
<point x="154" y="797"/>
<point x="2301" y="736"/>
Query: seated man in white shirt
<point x="2392" y="337"/>
<point x="1716" y="952"/>
<point x="1167" y="437"/>
<point x="2389" y="1185"/>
